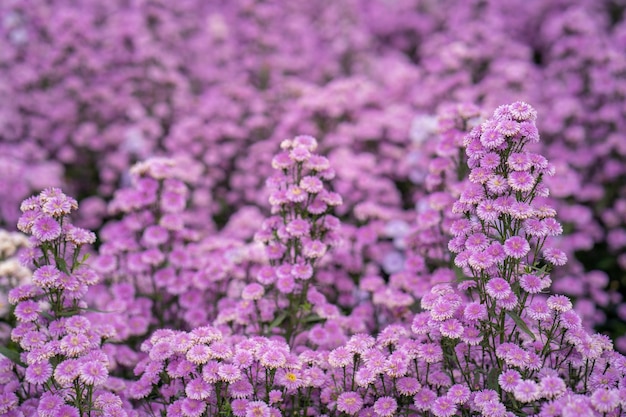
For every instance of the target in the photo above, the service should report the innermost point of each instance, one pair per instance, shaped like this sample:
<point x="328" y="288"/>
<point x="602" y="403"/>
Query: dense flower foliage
<point x="312" y="208"/>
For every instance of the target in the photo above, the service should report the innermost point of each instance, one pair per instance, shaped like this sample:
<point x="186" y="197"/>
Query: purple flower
<point x="27" y="311"/>
<point x="38" y="373"/>
<point x="444" y="407"/>
<point x="257" y="409"/>
<point x="349" y="402"/>
<point x="46" y="229"/>
<point x="93" y="373"/>
<point x="385" y="406"/>
<point x="516" y="247"/>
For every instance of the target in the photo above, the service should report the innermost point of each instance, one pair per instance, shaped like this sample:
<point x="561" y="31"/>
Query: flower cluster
<point x="59" y="368"/>
<point x="298" y="234"/>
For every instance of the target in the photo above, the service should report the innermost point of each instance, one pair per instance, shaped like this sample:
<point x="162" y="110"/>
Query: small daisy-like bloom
<point x="27" y="311"/>
<point x="526" y="391"/>
<point x="521" y="181"/>
<point x="430" y="352"/>
<point x="552" y="386"/>
<point x="570" y="320"/>
<point x="273" y="359"/>
<point x="487" y="211"/>
<point x="555" y="256"/>
<point x="67" y="371"/>
<point x="538" y="310"/>
<point x="285" y="285"/>
<point x="476" y="242"/>
<point x="299" y="154"/>
<point x="257" y="409"/>
<point x="480" y="260"/>
<point x="240" y="389"/>
<point x="57" y="206"/>
<point x="471" y="335"/>
<point x="552" y="226"/>
<point x="296" y="194"/>
<point x="365" y="376"/>
<point x="444" y="407"/>
<point x="302" y="271"/>
<point x="66" y="411"/>
<point x="276" y="396"/>
<point x="521" y="211"/>
<point x="508" y="128"/>
<point x="74" y="344"/>
<point x="46" y="229"/>
<point x="298" y="227"/>
<point x="451" y="328"/>
<point x="77" y="324"/>
<point x="93" y="373"/>
<point x="522" y="111"/>
<point x="311" y="185"/>
<point x="516" y="247"/>
<point x="48" y="404"/>
<point x="408" y="386"/>
<point x="26" y="220"/>
<point x="458" y="393"/>
<point x="497" y="184"/>
<point x="313" y="249"/>
<point x="229" y="373"/>
<point x="531" y="283"/>
<point x="490" y="160"/>
<point x="192" y="408"/>
<point x="535" y="227"/>
<point x="423" y="400"/>
<point x="485" y="396"/>
<point x="508" y="380"/>
<point x="605" y="400"/>
<point x="282" y="161"/>
<point x="275" y="250"/>
<point x="559" y="303"/>
<point x="239" y="407"/>
<point x="442" y="310"/>
<point x="473" y="194"/>
<point x="349" y="402"/>
<point x="38" y="373"/>
<point x="199" y="354"/>
<point x="317" y="206"/>
<point x="266" y="275"/>
<point x="340" y="357"/>
<point x="155" y="236"/>
<point x="221" y="350"/>
<point x="252" y="291"/>
<point x="475" y="311"/>
<point x="79" y="236"/>
<point x="198" y="389"/>
<point x="519" y="162"/>
<point x="385" y="407"/>
<point x="498" y="288"/>
<point x="161" y="351"/>
<point x="491" y="138"/>
<point x="493" y="409"/>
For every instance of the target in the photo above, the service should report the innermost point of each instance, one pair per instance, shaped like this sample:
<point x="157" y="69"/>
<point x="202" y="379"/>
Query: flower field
<point x="263" y="208"/>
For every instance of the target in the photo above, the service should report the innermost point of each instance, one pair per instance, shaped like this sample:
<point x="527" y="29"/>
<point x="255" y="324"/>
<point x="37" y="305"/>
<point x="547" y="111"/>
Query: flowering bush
<point x="406" y="251"/>
<point x="492" y="340"/>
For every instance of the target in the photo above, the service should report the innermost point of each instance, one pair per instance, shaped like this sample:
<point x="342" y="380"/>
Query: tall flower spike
<point x="301" y="228"/>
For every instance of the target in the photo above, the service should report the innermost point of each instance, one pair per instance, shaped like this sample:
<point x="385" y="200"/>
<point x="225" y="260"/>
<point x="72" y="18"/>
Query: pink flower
<point x="527" y="391"/>
<point x="46" y="229"/>
<point x="516" y="247"/>
<point x="521" y="181"/>
<point x="385" y="406"/>
<point x="498" y="288"/>
<point x="257" y="409"/>
<point x="444" y="407"/>
<point x="93" y="373"/>
<point x="349" y="402"/>
<point x="38" y="373"/>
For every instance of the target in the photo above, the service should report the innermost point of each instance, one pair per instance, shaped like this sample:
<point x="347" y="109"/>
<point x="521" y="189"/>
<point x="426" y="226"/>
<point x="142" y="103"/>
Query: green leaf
<point x="278" y="320"/>
<point x="13" y="355"/>
<point x="492" y="378"/>
<point x="62" y="265"/>
<point x="521" y="324"/>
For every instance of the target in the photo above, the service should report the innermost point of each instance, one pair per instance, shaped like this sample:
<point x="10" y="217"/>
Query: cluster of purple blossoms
<point x="298" y="234"/>
<point x="58" y="368"/>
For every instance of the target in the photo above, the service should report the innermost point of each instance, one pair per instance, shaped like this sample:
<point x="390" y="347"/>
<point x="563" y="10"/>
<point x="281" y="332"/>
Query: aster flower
<point x="385" y="406"/>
